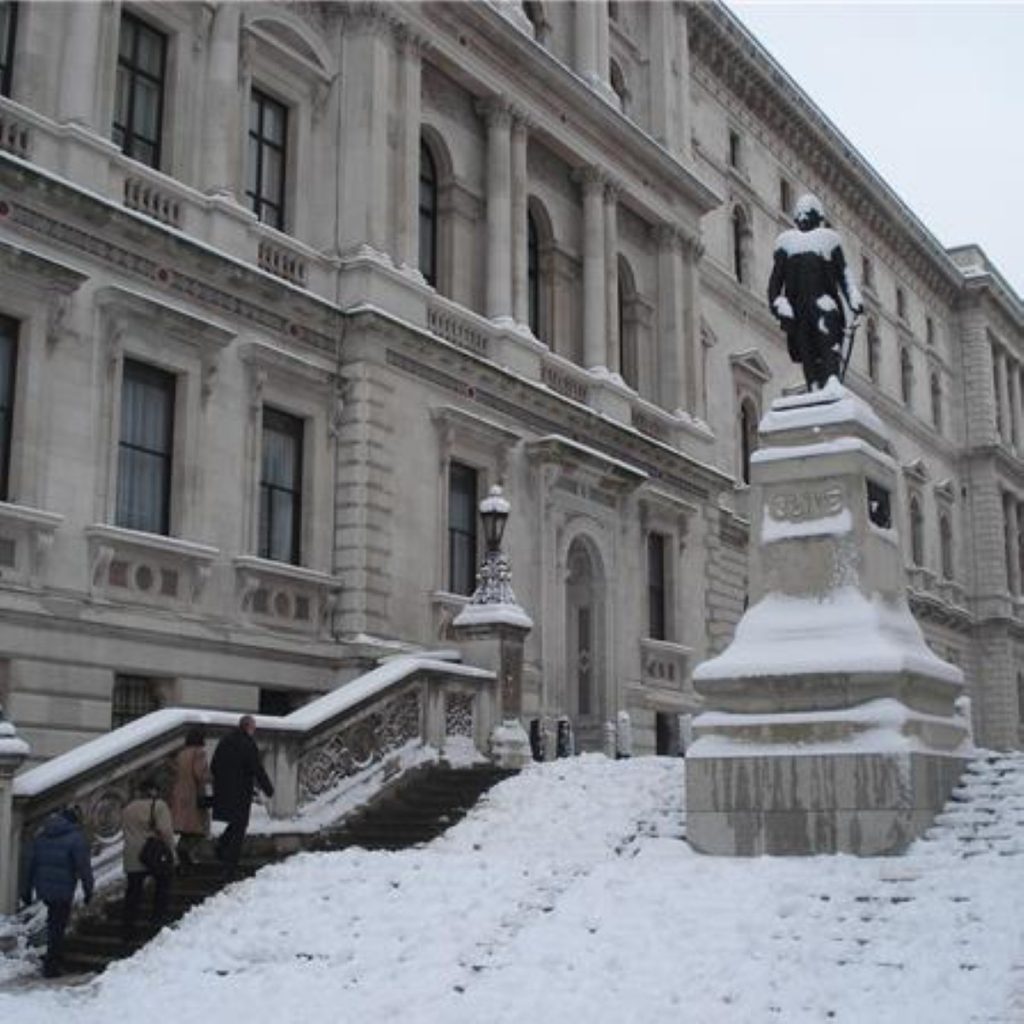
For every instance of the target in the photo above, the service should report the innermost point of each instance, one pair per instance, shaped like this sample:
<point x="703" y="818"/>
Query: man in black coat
<point x="57" y="860"/>
<point x="810" y="281"/>
<point x="236" y="768"/>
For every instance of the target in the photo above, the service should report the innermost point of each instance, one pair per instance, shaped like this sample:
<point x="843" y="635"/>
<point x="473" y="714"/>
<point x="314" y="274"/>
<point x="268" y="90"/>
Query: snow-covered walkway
<point x="568" y="895"/>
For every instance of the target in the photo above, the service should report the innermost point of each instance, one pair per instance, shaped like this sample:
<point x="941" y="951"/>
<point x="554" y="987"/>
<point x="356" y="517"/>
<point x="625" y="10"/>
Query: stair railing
<point x="408" y="705"/>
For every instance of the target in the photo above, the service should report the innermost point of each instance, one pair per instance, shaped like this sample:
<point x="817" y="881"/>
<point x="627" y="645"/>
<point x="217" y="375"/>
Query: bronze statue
<point x="808" y="278"/>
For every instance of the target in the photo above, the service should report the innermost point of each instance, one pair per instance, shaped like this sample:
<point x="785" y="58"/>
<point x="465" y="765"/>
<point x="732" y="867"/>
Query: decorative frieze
<point x="665" y="665"/>
<point x="283" y="596"/>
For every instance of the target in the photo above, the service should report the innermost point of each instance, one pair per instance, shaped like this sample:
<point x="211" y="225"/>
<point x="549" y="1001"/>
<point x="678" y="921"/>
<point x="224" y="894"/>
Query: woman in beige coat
<point x="145" y="816"/>
<point x="191" y="781"/>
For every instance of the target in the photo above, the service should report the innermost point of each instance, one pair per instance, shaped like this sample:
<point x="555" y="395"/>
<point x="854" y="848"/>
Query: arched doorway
<point x="585" y="633"/>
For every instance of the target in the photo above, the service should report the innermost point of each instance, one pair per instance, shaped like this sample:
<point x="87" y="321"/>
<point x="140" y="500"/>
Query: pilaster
<point x="520" y="184"/>
<point x="611" y="276"/>
<point x="498" y="115"/>
<point x="592" y="182"/>
<point x="223" y="102"/>
<point x="410" y="74"/>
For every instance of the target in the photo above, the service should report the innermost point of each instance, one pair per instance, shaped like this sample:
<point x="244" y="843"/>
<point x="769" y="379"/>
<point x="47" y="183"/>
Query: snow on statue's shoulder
<point x="823" y="241"/>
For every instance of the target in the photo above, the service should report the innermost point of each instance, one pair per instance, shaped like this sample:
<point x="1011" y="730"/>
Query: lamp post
<point x="492" y="628"/>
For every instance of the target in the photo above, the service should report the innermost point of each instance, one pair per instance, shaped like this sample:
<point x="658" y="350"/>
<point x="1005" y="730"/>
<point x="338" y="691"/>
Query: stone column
<point x="224" y="103"/>
<point x="670" y="363"/>
<point x="520" y="186"/>
<point x="367" y="47"/>
<point x="13" y="751"/>
<point x="78" y="71"/>
<point x="663" y="80"/>
<point x="683" y="105"/>
<point x="594" y="312"/>
<point x="586" y="39"/>
<point x="410" y="74"/>
<point x="499" y="209"/>
<point x="611" y="276"/>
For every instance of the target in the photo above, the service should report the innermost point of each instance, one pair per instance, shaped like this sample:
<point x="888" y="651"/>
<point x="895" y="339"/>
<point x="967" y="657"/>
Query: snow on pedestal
<point x="13" y="751"/>
<point x="832" y="726"/>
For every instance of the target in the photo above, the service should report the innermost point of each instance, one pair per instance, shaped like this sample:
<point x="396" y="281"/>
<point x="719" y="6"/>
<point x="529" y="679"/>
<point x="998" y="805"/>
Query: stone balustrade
<point x="370" y="730"/>
<point x="145" y="197"/>
<point x="666" y="665"/>
<point x="15" y="133"/>
<point x="279" y="259"/>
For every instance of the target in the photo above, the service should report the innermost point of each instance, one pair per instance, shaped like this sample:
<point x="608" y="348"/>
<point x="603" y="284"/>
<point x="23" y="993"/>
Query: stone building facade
<point x="287" y="287"/>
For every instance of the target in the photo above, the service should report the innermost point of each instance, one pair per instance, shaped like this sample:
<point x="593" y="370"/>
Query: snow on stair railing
<point x="408" y="702"/>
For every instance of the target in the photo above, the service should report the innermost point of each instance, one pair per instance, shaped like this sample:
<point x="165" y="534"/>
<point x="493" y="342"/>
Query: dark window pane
<point x="8" y="30"/>
<point x="8" y="365"/>
<point x="133" y="697"/>
<point x="139" y="91"/>
<point x="281" y="487"/>
<point x="428" y="216"/>
<point x="656" y="586"/>
<point x="462" y="535"/>
<point x="267" y="158"/>
<point x="145" y="452"/>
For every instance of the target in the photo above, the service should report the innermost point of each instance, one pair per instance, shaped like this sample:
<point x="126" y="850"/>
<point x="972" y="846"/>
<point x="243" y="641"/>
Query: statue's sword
<point x="848" y="338"/>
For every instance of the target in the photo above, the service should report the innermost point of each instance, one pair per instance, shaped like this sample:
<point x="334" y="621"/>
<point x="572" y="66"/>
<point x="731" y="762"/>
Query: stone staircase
<point x="422" y="807"/>
<point x="985" y="813"/>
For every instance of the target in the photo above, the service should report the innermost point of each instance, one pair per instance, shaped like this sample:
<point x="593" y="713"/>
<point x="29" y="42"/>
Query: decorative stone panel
<point x="381" y="730"/>
<point x="283" y="596"/>
<point x="15" y="135"/>
<point x="458" y="714"/>
<point x="665" y="666"/>
<point x="145" y="568"/>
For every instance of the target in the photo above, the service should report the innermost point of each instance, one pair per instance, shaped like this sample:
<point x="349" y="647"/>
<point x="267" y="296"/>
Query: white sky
<point x="931" y="94"/>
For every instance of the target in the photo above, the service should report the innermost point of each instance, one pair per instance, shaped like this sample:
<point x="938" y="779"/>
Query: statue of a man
<point x="808" y="277"/>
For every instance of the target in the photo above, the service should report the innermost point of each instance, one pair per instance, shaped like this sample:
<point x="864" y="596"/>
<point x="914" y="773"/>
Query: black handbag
<point x="155" y="855"/>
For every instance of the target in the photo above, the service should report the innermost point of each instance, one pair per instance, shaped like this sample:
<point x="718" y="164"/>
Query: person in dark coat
<point x="236" y="768"/>
<point x="58" y="859"/>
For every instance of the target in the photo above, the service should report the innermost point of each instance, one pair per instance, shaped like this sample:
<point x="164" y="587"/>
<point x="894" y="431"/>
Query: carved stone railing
<point x="370" y="730"/>
<point x="279" y="260"/>
<point x="279" y="595"/>
<point x="25" y="537"/>
<point x="15" y="134"/>
<point x="129" y="565"/>
<point x="565" y="378"/>
<point x="145" y="197"/>
<point x="666" y="666"/>
<point x="459" y="326"/>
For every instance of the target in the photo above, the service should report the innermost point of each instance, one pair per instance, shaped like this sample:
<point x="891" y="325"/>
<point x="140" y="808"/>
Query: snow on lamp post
<point x="492" y="628"/>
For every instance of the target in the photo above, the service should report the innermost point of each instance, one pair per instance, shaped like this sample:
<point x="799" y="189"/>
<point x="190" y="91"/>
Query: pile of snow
<point x="568" y="895"/>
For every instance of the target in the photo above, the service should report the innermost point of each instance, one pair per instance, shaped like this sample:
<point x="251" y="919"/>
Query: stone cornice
<point x="724" y="49"/>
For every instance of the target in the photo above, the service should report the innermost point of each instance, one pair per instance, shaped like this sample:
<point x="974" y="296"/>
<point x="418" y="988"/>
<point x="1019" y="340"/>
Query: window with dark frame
<point x="901" y="303"/>
<point x="145" y="450"/>
<point x="739" y="230"/>
<point x="280" y="530"/>
<point x="936" y="389"/>
<point x="657" y="605"/>
<point x="874" y="352"/>
<point x="462" y="529"/>
<point x="139" y="92"/>
<point x="133" y="697"/>
<point x="929" y="330"/>
<point x="533" y="274"/>
<point x="867" y="272"/>
<point x="428" y="215"/>
<point x="916" y="533"/>
<point x="946" y="546"/>
<point x="8" y="370"/>
<point x="734" y="148"/>
<point x="267" y="158"/>
<point x="8" y="30"/>
<point x="906" y="377"/>
<point x="748" y="437"/>
<point x="785" y="195"/>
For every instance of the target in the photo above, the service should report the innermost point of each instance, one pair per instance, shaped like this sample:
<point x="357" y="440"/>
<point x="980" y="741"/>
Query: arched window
<point x="533" y="274"/>
<point x="936" y="390"/>
<point x="629" y="357"/>
<point x="906" y="377"/>
<point x="428" y="215"/>
<point x="916" y="532"/>
<point x="618" y="83"/>
<point x="739" y="244"/>
<point x="748" y="436"/>
<point x="874" y="352"/>
<point x="946" y="546"/>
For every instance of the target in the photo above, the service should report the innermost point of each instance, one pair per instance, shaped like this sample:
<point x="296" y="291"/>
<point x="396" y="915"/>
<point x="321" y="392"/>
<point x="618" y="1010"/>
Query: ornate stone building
<point x="287" y="287"/>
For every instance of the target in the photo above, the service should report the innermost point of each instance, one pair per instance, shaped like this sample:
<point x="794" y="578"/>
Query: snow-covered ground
<point x="567" y="895"/>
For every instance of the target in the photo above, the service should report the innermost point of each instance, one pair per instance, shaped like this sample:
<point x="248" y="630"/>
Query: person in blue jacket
<point x="57" y="860"/>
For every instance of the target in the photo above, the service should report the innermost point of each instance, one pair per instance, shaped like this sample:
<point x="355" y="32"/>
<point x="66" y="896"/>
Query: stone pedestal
<point x="831" y="726"/>
<point x="13" y="751"/>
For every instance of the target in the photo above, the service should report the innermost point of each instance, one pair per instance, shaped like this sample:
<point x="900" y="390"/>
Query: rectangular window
<point x="462" y="542"/>
<point x="785" y="195"/>
<point x="929" y="330"/>
<point x="281" y="487"/>
<point x="734" y="148"/>
<point x="901" y="304"/>
<point x="139" y="91"/>
<point x="267" y="159"/>
<point x="867" y="272"/>
<point x="8" y="28"/>
<point x="8" y="367"/>
<point x="656" y="603"/>
<point x="146" y="448"/>
<point x="133" y="697"/>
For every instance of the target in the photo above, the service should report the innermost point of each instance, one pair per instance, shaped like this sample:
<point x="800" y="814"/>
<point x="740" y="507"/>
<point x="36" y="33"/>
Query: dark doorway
<point x="666" y="729"/>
